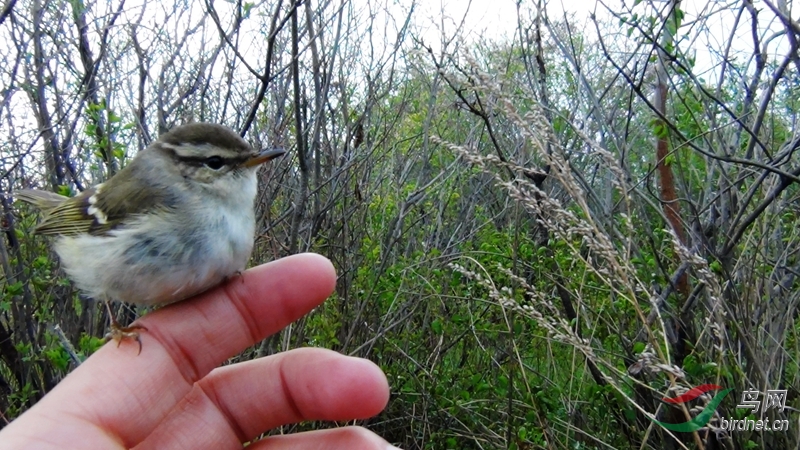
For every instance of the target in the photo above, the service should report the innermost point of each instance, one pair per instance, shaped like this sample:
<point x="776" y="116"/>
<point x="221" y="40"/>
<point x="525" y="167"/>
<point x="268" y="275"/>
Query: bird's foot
<point x="118" y="333"/>
<point x="237" y="274"/>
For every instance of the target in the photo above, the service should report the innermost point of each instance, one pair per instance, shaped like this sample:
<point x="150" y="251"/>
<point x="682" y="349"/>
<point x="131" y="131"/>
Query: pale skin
<point x="174" y="395"/>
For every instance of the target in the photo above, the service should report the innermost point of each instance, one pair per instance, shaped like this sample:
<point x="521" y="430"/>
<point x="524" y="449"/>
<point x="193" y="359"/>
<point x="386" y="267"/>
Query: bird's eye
<point x="214" y="162"/>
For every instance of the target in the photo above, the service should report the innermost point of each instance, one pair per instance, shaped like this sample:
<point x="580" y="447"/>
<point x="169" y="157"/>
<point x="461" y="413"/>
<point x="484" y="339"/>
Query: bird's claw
<point x="118" y="333"/>
<point x="237" y="274"/>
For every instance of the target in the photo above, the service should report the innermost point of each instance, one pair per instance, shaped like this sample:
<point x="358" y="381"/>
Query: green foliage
<point x="660" y="130"/>
<point x="89" y="344"/>
<point x="58" y="357"/>
<point x="103" y="125"/>
<point x="697" y="369"/>
<point x="66" y="191"/>
<point x="21" y="397"/>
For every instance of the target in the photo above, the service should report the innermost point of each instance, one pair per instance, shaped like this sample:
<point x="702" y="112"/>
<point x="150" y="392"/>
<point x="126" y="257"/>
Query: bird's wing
<point x="102" y="208"/>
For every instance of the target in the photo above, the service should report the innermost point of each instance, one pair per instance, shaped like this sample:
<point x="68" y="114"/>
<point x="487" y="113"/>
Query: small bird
<point x="176" y="221"/>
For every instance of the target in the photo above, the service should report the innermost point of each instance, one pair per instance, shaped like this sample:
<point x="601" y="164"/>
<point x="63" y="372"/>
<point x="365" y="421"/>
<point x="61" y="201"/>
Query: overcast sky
<point x="496" y="19"/>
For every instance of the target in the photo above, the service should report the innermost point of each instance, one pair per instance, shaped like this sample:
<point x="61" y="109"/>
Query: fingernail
<point x="392" y="447"/>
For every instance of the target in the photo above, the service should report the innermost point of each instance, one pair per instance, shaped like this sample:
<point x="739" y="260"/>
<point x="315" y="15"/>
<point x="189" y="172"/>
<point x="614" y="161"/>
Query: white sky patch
<point x="708" y="27"/>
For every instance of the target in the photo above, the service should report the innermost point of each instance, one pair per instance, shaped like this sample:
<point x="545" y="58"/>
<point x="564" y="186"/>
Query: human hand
<point x="174" y="396"/>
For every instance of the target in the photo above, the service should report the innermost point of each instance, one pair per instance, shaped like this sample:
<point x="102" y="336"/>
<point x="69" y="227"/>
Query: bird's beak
<point x="264" y="156"/>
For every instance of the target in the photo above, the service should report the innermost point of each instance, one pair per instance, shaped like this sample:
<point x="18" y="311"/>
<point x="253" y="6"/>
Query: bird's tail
<point x="44" y="200"/>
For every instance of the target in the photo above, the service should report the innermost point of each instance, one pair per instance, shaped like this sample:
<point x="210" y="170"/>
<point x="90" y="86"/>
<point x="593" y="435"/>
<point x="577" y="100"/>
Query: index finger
<point x="127" y="395"/>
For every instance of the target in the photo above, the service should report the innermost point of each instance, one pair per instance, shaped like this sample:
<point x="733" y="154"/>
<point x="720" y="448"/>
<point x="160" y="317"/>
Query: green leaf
<point x="436" y="326"/>
<point x="65" y="190"/>
<point x="247" y="7"/>
<point x="14" y="288"/>
<point x="58" y="357"/>
<point x="41" y="262"/>
<point x="660" y="130"/>
<point x="89" y="344"/>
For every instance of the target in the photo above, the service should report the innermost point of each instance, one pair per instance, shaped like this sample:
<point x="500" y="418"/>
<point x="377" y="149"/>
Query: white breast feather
<point x="97" y="264"/>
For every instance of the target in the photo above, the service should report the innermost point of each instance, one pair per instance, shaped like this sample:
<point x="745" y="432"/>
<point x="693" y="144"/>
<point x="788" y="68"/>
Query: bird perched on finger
<point x="176" y="221"/>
